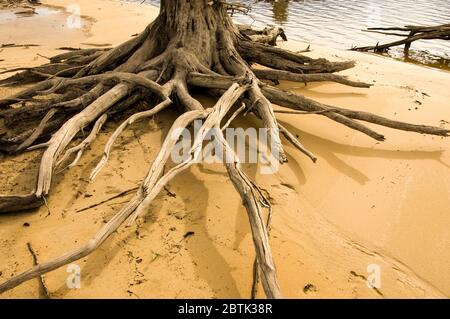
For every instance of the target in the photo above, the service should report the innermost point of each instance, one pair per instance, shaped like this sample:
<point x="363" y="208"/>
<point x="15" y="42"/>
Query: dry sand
<point x="362" y="203"/>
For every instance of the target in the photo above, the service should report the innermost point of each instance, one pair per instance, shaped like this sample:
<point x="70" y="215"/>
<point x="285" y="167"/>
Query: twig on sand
<point x="13" y="45"/>
<point x="43" y="56"/>
<point x="124" y="193"/>
<point x="97" y="44"/>
<point x="69" y="49"/>
<point x="42" y="286"/>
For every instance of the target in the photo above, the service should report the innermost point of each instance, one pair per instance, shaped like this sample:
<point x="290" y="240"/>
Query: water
<point x="7" y="16"/>
<point x="339" y="23"/>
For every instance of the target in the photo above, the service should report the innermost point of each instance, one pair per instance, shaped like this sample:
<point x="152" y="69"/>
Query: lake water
<point x="339" y="23"/>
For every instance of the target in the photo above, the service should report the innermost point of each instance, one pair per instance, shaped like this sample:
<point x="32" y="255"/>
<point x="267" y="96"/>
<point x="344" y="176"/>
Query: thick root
<point x="84" y="144"/>
<point x="151" y="186"/>
<point x="121" y="128"/>
<point x="301" y="103"/>
<point x="279" y="59"/>
<point x="251" y="200"/>
<point x="277" y="75"/>
<point x="67" y="132"/>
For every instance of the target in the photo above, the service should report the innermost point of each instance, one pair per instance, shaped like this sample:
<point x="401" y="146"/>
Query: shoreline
<point x="363" y="203"/>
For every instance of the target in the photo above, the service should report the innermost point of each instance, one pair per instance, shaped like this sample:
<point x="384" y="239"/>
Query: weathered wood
<point x="277" y="75"/>
<point x="268" y="35"/>
<point x="84" y="144"/>
<point x="121" y="128"/>
<point x="251" y="201"/>
<point x="413" y="33"/>
<point x="192" y="43"/>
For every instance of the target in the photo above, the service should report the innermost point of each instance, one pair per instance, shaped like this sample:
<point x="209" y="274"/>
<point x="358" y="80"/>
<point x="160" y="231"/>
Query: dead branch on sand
<point x="410" y="33"/>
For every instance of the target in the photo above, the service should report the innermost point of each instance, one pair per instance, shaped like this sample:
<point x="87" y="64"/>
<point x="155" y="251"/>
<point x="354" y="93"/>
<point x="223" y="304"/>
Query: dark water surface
<point x="338" y="23"/>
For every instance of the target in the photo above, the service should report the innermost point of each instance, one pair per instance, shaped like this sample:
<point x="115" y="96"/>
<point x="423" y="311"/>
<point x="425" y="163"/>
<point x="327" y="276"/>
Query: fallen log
<point x="411" y="33"/>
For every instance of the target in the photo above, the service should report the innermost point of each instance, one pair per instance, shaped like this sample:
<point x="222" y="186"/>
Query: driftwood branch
<point x="410" y="34"/>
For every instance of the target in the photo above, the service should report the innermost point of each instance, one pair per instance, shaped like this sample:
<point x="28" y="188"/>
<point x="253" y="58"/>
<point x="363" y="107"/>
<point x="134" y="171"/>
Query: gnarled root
<point x="83" y="88"/>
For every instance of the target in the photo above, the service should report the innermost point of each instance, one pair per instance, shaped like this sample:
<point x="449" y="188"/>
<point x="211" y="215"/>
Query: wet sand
<point x="362" y="203"/>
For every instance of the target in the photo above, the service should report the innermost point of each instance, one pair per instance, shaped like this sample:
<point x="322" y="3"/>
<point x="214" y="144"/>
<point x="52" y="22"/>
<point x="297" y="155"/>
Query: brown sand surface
<point x="362" y="203"/>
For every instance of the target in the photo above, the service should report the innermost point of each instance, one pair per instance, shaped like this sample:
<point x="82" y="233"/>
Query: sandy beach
<point x="363" y="203"/>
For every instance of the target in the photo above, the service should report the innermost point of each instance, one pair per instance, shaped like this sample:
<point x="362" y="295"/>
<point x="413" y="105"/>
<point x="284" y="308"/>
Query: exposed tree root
<point x="85" y="143"/>
<point x="121" y="128"/>
<point x="251" y="198"/>
<point x="38" y="131"/>
<point x="301" y="103"/>
<point x="277" y="75"/>
<point x="191" y="44"/>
